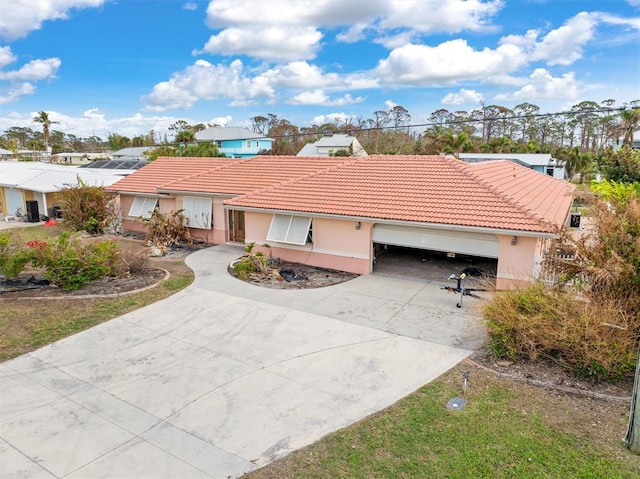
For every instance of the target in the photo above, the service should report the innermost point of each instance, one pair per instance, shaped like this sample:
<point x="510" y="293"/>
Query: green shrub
<point x="252" y="262"/>
<point x="87" y="208"/>
<point x="70" y="262"/>
<point x="13" y="255"/>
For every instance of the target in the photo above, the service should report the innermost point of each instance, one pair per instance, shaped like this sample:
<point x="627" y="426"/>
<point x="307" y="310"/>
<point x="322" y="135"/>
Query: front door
<point x="236" y="226"/>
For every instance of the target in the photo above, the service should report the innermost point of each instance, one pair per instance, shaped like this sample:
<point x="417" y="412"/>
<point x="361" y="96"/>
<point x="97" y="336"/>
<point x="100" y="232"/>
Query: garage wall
<point x="518" y="264"/>
<point x="337" y="244"/>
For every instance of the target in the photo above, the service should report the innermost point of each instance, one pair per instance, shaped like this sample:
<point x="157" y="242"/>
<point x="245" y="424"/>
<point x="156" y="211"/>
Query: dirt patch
<point x="286" y="275"/>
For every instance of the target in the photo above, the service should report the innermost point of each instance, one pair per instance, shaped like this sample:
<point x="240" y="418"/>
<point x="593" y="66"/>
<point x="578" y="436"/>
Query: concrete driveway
<point x="224" y="377"/>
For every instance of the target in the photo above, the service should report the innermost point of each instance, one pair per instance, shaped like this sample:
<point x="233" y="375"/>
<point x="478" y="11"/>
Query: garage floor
<point x="409" y="263"/>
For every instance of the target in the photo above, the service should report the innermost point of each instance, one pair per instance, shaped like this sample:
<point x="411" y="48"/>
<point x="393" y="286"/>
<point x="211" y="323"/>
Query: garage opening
<point x="433" y="254"/>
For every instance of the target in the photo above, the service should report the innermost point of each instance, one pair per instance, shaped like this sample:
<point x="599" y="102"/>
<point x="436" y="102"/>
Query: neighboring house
<point x="6" y="154"/>
<point x="75" y="158"/>
<point x="338" y="212"/>
<point x="132" y="153"/>
<point x="35" y="181"/>
<point x="542" y="162"/>
<point x="120" y="167"/>
<point x="236" y="142"/>
<point x="329" y="145"/>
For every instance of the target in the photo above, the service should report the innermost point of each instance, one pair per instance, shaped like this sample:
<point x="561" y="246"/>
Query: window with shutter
<point x="197" y="210"/>
<point x="289" y="229"/>
<point x="143" y="206"/>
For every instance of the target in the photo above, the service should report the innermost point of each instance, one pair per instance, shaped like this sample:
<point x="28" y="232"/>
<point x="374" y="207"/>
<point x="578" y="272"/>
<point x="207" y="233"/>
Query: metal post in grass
<point x="632" y="439"/>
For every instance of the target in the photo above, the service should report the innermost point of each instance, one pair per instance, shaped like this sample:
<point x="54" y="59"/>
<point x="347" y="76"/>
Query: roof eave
<point x="447" y="226"/>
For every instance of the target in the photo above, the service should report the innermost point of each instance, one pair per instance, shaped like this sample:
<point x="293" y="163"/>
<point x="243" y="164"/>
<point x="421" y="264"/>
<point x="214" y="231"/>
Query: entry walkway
<point x="224" y="377"/>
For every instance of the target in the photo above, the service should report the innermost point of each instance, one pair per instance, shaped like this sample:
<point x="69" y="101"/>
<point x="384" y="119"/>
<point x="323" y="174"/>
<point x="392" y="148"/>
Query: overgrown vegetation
<point x="68" y="261"/>
<point x="88" y="208"/>
<point x="164" y="230"/>
<point x="206" y="149"/>
<point x="252" y="262"/>
<point x="589" y="320"/>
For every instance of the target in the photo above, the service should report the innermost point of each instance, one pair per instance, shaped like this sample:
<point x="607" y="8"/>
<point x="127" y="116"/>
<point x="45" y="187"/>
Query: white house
<point x="329" y="145"/>
<point x="542" y="162"/>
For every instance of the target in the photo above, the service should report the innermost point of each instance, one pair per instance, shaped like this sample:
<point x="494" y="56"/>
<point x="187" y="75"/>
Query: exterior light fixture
<point x="514" y="240"/>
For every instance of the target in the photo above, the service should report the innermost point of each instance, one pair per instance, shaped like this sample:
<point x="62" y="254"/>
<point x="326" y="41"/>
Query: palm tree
<point x="43" y="118"/>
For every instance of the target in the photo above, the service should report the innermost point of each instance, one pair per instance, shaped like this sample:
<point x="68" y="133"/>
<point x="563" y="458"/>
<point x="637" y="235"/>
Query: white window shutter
<point x="143" y="206"/>
<point x="289" y="229"/>
<point x="198" y="211"/>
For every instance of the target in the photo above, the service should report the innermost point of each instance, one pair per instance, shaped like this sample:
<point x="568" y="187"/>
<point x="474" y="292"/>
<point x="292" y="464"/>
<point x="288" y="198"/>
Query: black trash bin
<point x="33" y="215"/>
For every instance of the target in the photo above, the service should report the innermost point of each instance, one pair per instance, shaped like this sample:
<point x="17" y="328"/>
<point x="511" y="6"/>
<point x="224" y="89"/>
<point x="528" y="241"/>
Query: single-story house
<point x="36" y="181"/>
<point x="131" y="153"/>
<point x="338" y="212"/>
<point x="76" y="158"/>
<point x="329" y="145"/>
<point x="542" y="162"/>
<point x="235" y="142"/>
<point x="6" y="154"/>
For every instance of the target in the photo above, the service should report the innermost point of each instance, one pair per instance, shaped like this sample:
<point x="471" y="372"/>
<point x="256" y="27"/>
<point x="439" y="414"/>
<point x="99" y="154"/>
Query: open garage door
<point x="447" y="241"/>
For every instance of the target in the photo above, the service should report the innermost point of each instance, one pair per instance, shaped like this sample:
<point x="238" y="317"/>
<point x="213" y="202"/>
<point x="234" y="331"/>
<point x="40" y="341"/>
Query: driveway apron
<point x="224" y="377"/>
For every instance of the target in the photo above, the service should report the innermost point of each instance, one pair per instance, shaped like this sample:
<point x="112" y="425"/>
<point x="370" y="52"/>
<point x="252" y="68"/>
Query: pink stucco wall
<point x="517" y="263"/>
<point x="217" y="235"/>
<point x="337" y="244"/>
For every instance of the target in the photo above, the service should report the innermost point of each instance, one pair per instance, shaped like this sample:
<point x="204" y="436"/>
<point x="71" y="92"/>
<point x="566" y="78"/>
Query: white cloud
<point x="15" y="84"/>
<point x="94" y="122"/>
<point x="439" y="16"/>
<point x="203" y="80"/>
<point x="565" y="45"/>
<point x="542" y="85"/>
<point x="463" y="97"/>
<point x="300" y="75"/>
<point x="319" y="97"/>
<point x="336" y="118"/>
<point x="615" y="20"/>
<point x="290" y="29"/>
<point x="14" y="91"/>
<point x="269" y="43"/>
<point x="389" y="104"/>
<point x="447" y="63"/>
<point x="33" y="71"/>
<point x="190" y="6"/>
<point x="353" y="34"/>
<point x="6" y="57"/>
<point x="221" y="120"/>
<point x="19" y="17"/>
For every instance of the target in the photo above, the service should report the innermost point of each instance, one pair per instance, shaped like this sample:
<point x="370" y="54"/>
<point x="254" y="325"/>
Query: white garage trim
<point x="450" y="241"/>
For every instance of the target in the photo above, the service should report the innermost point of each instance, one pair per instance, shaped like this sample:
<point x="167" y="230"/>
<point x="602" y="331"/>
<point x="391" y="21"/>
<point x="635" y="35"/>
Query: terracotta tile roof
<point x="244" y="176"/>
<point x="165" y="170"/>
<point x="430" y="189"/>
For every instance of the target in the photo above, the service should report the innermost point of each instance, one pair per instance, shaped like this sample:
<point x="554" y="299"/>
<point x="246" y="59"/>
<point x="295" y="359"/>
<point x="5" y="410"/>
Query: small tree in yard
<point x="87" y="208"/>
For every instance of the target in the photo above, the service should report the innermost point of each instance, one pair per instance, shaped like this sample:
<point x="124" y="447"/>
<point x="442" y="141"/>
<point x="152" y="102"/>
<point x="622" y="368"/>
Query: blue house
<point x="236" y="142"/>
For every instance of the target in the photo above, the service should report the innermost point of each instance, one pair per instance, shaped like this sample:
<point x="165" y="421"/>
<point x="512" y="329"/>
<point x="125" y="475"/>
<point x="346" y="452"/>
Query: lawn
<point x="507" y="429"/>
<point x="27" y="324"/>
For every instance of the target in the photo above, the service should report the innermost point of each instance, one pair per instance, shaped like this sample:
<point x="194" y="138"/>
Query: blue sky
<point x="130" y="66"/>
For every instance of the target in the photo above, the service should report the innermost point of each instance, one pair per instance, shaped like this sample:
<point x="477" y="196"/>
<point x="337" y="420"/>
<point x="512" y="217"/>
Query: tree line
<point x="578" y="136"/>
